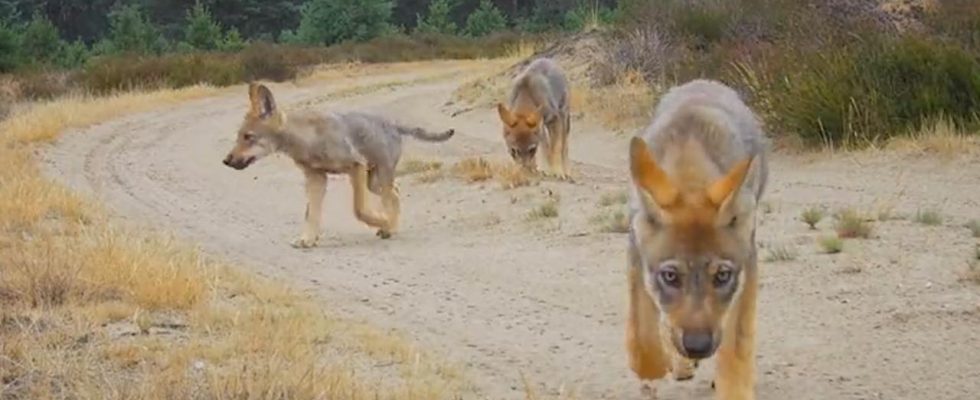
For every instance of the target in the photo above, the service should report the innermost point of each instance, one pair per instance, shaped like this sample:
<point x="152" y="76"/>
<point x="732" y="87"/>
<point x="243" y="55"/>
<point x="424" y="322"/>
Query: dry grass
<point x="781" y="253"/>
<point x="88" y="311"/>
<point x="425" y="171"/>
<point x="812" y="216"/>
<point x="479" y="169"/>
<point x="476" y="169"/>
<point x="851" y="224"/>
<point x="622" y="106"/>
<point x="928" y="217"/>
<point x="831" y="244"/>
<point x="613" y="198"/>
<point x="612" y="221"/>
<point x="974" y="227"/>
<point x="546" y="210"/>
<point x="940" y="137"/>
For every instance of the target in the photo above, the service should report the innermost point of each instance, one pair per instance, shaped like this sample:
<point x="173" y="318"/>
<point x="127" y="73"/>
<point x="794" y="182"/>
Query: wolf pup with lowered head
<point x="364" y="146"/>
<point x="538" y="114"/>
<point x="698" y="173"/>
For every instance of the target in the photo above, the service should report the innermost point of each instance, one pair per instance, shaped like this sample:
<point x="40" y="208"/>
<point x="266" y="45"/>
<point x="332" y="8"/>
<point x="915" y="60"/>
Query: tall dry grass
<point x="91" y="311"/>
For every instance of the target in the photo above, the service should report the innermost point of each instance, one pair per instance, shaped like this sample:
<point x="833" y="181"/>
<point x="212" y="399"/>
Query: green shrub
<point x="869" y="91"/>
<point x="438" y="18"/>
<point x="232" y="41"/>
<point x="131" y="32"/>
<point x="485" y="20"/>
<point x="10" y="57"/>
<point x="40" y="42"/>
<point x="334" y="21"/>
<point x="73" y="55"/>
<point x="200" y="30"/>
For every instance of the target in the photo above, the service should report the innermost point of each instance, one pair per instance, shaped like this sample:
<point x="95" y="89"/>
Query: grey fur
<point x="543" y="81"/>
<point x="741" y="135"/>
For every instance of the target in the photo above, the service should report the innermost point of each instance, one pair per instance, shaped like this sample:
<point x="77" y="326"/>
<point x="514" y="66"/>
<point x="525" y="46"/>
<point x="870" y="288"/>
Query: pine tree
<point x="201" y="31"/>
<point x="485" y="20"/>
<point x="438" y="19"/>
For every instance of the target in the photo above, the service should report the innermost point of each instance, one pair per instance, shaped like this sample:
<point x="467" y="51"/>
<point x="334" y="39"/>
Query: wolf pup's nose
<point x="698" y="345"/>
<point x="227" y="160"/>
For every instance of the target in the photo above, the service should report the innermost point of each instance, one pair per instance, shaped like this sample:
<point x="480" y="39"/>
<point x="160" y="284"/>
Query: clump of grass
<point x="546" y="210"/>
<point x="413" y="166"/>
<point x="613" y="198"/>
<point x="475" y="169"/>
<point x="612" y="221"/>
<point x="512" y="176"/>
<point x="974" y="227"/>
<point x="850" y="224"/>
<point x="831" y="244"/>
<point x="812" y="216"/>
<point x="781" y="253"/>
<point x="928" y="217"/>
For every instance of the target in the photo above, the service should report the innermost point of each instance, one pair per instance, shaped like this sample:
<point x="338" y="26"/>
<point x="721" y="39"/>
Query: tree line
<point x="65" y="33"/>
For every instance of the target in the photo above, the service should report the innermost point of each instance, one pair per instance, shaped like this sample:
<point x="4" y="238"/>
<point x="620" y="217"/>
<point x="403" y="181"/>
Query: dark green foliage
<point x="10" y="56"/>
<point x="201" y="31"/>
<point x="334" y="21"/>
<point x="233" y="41"/>
<point x="864" y="92"/>
<point x="40" y="43"/>
<point x="438" y="19"/>
<point x="131" y="32"/>
<point x="485" y="20"/>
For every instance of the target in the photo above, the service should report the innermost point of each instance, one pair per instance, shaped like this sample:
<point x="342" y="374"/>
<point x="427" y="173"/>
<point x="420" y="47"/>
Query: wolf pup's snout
<point x="698" y="345"/>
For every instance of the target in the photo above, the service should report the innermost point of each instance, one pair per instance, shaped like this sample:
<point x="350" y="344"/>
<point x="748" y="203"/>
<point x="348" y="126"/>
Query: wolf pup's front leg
<point x="316" y="187"/>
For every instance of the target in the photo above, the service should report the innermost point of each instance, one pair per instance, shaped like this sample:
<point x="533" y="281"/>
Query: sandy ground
<point x="473" y="280"/>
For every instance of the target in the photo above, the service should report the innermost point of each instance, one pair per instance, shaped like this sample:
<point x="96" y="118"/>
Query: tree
<point x="201" y="31"/>
<point x="333" y="21"/>
<point x="485" y="20"/>
<point x="41" y="42"/>
<point x="438" y="18"/>
<point x="130" y="32"/>
<point x="9" y="47"/>
<point x="233" y="41"/>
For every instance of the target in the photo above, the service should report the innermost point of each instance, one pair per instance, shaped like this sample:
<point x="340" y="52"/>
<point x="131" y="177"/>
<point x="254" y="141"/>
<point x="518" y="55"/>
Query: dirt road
<point x="472" y="279"/>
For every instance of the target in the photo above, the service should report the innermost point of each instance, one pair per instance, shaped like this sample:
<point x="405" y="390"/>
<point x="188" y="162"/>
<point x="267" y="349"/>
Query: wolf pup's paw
<point x="684" y="369"/>
<point x="382" y="233"/>
<point x="304" y="242"/>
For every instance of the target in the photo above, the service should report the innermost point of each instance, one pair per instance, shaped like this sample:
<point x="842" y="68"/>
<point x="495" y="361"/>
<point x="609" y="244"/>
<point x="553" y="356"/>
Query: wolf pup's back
<point x="544" y="81"/>
<point x="714" y="115"/>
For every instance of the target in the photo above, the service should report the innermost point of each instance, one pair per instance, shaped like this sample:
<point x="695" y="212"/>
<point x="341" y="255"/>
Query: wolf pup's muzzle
<point x="238" y="163"/>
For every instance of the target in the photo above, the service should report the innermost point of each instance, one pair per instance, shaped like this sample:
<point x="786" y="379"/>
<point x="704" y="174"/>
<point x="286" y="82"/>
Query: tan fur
<point x="538" y="115"/>
<point x="693" y="277"/>
<point x="365" y="147"/>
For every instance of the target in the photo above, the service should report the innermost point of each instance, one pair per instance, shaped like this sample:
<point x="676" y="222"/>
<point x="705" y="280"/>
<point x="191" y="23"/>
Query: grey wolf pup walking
<point x="538" y="113"/>
<point x="364" y="146"/>
<point x="698" y="173"/>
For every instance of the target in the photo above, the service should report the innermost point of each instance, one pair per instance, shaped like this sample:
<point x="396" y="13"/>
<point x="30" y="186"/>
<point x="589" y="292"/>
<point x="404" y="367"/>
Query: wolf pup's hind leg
<point x="359" y="185"/>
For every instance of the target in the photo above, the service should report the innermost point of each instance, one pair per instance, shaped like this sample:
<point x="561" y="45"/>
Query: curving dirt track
<point x="470" y="278"/>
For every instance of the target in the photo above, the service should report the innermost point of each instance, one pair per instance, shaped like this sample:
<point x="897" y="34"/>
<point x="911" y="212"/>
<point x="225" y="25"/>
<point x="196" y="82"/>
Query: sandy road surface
<point x="471" y="279"/>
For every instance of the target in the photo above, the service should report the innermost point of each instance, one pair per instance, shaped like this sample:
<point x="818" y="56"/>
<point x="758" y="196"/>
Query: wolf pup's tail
<point x="427" y="136"/>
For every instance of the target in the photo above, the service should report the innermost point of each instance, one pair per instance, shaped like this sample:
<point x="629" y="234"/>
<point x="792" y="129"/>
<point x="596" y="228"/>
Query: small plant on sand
<point x="612" y="221"/>
<point x="781" y="253"/>
<point x="974" y="227"/>
<point x="972" y="273"/>
<point x="548" y="209"/>
<point x="928" y="217"/>
<point x="831" y="244"/>
<point x="413" y="166"/>
<point x="812" y="216"/>
<point x="850" y="224"/>
<point x="474" y="169"/>
<point x="613" y="198"/>
<point x="511" y="176"/>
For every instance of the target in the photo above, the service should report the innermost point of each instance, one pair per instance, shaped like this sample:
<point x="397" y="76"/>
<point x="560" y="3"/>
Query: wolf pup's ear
<point x="263" y="104"/>
<point x="506" y="115"/>
<point x="724" y="189"/>
<point x="647" y="175"/>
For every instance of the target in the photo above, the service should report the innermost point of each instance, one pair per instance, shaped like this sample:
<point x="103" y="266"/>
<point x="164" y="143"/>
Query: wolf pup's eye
<point x="669" y="276"/>
<point x="731" y="224"/>
<point x="248" y="137"/>
<point x="723" y="276"/>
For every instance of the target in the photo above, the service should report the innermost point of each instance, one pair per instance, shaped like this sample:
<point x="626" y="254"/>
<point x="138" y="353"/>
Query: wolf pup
<point x="364" y="146"/>
<point x="698" y="172"/>
<point x="538" y="114"/>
